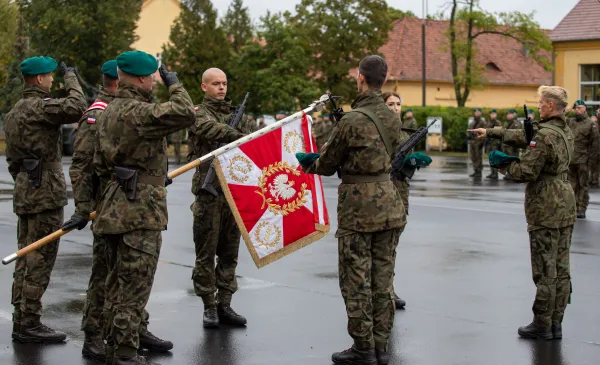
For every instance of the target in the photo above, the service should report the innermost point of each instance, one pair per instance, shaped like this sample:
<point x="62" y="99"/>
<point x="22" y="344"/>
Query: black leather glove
<point x="65" y="69"/>
<point x="168" y="181"/>
<point x="168" y="77"/>
<point x="75" y="222"/>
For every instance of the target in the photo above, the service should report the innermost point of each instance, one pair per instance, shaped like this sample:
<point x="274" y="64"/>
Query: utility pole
<point x="424" y="54"/>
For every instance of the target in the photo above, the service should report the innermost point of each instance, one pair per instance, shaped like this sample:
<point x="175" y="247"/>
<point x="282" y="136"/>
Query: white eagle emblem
<point x="282" y="188"/>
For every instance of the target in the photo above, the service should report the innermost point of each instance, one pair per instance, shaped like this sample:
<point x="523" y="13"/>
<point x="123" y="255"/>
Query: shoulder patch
<point x="91" y="120"/>
<point x="101" y="105"/>
<point x="532" y="144"/>
<point x="46" y="99"/>
<point x="196" y="108"/>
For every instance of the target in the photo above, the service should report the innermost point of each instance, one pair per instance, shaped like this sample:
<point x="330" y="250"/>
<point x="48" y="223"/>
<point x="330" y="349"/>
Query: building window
<point x="590" y="86"/>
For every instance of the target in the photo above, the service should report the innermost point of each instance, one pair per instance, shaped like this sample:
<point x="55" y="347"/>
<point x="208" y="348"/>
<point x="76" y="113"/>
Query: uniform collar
<point x="34" y="91"/>
<point x="104" y="95"/>
<point x="218" y="106"/>
<point x="129" y="91"/>
<point x="367" y="97"/>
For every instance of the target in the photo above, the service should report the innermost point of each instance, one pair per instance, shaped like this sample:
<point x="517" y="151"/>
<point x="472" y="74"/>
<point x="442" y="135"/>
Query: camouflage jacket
<point x="492" y="123"/>
<point x="549" y="198"/>
<point x="131" y="132"/>
<point x="86" y="184"/>
<point x="410" y="123"/>
<point x="33" y="131"/>
<point x="477" y="123"/>
<point x="356" y="148"/>
<point x="512" y="137"/>
<point x="586" y="137"/>
<point x="512" y="124"/>
<point x="209" y="130"/>
<point x="321" y="132"/>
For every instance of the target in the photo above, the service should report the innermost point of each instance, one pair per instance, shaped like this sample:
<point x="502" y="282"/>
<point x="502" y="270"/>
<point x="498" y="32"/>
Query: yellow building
<point x="154" y="25"/>
<point x="512" y="78"/>
<point x="576" y="43"/>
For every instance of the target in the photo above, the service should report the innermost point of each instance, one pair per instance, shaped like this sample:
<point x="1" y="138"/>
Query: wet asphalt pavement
<point x="462" y="266"/>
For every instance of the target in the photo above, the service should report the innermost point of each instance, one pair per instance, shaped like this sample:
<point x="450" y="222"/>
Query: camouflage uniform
<point x="477" y="147"/>
<point x="410" y="123"/>
<point x="586" y="137"/>
<point x="176" y="139"/>
<point x="322" y="131"/>
<point x="550" y="212"/>
<point x="402" y="183"/>
<point x="371" y="218"/>
<point x="33" y="130"/>
<point x="492" y="145"/>
<point x="131" y="133"/>
<point x="511" y="150"/>
<point x="215" y="230"/>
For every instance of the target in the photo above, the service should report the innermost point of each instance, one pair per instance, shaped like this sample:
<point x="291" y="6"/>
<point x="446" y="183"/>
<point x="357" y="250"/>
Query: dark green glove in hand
<point x="417" y="159"/>
<point x="65" y="69"/>
<point x="307" y="159"/>
<point x="168" y="77"/>
<point x="168" y="181"/>
<point x="500" y="159"/>
<point x="75" y="222"/>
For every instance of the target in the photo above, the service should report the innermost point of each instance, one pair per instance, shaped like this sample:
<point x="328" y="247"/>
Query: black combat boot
<point x="535" y="331"/>
<point x="152" y="343"/>
<point x="353" y="356"/>
<point x="211" y="318"/>
<point x="228" y="316"/>
<point x="383" y="358"/>
<point x="492" y="177"/>
<point x="40" y="333"/>
<point x="399" y="302"/>
<point x="581" y="214"/>
<point x="16" y="330"/>
<point x="93" y="347"/>
<point x="557" y="331"/>
<point x="133" y="360"/>
<point x="476" y="174"/>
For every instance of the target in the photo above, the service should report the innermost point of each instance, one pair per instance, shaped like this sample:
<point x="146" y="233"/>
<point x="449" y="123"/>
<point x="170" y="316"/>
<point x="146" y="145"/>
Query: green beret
<point x="512" y="111"/>
<point x="282" y="112"/>
<point x="531" y="111"/>
<point x="477" y="109"/>
<point x="493" y="111"/>
<point x="499" y="159"/>
<point x="325" y="115"/>
<point x="252" y="114"/>
<point x="306" y="159"/>
<point x="408" y="111"/>
<point x="260" y="116"/>
<point x="137" y="63"/>
<point x="109" y="68"/>
<point x="38" y="66"/>
<point x="417" y="159"/>
<point x="580" y="102"/>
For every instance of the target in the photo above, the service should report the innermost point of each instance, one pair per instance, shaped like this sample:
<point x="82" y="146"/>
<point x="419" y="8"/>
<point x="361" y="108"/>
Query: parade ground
<point x="462" y="266"/>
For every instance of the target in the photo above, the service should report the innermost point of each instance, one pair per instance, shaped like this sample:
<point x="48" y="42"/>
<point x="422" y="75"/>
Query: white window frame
<point x="582" y="83"/>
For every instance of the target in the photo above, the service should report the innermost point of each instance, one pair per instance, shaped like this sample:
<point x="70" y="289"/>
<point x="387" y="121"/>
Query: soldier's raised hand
<point x="64" y="68"/>
<point x="168" y="77"/>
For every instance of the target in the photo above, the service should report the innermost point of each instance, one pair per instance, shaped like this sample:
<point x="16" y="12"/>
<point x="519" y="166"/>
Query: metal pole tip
<point x="10" y="258"/>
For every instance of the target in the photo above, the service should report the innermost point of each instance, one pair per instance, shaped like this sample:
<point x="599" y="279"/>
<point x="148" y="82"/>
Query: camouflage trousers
<point x="579" y="178"/>
<point x="215" y="235"/>
<point x="177" y="150"/>
<point x="92" y="322"/>
<point x="403" y="188"/>
<point x="132" y="258"/>
<point x="551" y="273"/>
<point x="32" y="272"/>
<point x="510" y="150"/>
<point x="366" y="271"/>
<point x="477" y="155"/>
<point x="492" y="145"/>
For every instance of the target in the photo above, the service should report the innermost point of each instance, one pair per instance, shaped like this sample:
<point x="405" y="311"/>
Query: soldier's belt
<point x="360" y="179"/>
<point x="45" y="166"/>
<point x="146" y="179"/>
<point x="548" y="177"/>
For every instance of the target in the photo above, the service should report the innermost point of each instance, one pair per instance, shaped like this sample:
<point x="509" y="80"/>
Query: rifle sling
<point x="379" y="124"/>
<point x="562" y="134"/>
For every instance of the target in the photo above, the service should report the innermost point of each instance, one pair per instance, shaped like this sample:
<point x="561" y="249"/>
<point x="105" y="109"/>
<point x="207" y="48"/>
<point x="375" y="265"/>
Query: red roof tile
<point x="580" y="24"/>
<point x="404" y="57"/>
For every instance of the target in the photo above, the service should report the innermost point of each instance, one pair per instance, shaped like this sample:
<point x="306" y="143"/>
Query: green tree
<point x="468" y="22"/>
<point x="197" y="43"/>
<point x="237" y="24"/>
<point x="9" y="23"/>
<point x="12" y="86"/>
<point x="276" y="69"/>
<point x="82" y="33"/>
<point x="396" y="14"/>
<point x="341" y="33"/>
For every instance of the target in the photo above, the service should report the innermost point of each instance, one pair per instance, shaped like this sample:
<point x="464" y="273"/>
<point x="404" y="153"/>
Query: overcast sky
<point x="548" y="13"/>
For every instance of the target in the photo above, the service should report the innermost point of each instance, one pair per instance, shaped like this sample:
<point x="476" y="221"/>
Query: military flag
<point x="278" y="208"/>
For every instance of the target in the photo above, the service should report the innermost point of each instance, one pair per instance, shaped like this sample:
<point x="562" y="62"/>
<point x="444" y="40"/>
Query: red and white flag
<point x="278" y="208"/>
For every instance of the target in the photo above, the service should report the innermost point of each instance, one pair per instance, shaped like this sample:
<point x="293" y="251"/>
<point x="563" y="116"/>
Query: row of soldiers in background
<point x="584" y="165"/>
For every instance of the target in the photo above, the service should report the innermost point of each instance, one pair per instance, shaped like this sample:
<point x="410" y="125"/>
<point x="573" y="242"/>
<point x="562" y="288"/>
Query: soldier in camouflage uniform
<point x="493" y="145"/>
<point x="586" y="153"/>
<point x="477" y="145"/>
<point x="176" y="139"/>
<point x="33" y="130"/>
<point x="215" y="230"/>
<point x="131" y="152"/>
<point x="261" y="122"/>
<point x="394" y="102"/>
<point x="371" y="216"/>
<point x="595" y="169"/>
<point x="87" y="189"/>
<point x="409" y="121"/>
<point x="550" y="209"/>
<point x="511" y="123"/>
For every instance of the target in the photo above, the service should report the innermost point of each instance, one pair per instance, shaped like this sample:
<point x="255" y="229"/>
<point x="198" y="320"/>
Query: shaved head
<point x="214" y="83"/>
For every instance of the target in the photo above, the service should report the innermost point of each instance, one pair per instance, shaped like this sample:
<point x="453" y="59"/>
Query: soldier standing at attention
<point x="492" y="145"/>
<point x="176" y="139"/>
<point x="409" y="120"/>
<point x="511" y="123"/>
<point x="371" y="216"/>
<point x="87" y="189"/>
<point x="280" y="115"/>
<point x="586" y="137"/>
<point x="531" y="115"/>
<point x="215" y="230"/>
<point x="33" y="129"/>
<point x="131" y="147"/>
<point x="261" y="122"/>
<point x="549" y="210"/>
<point x="394" y="102"/>
<point x="477" y="145"/>
<point x="595" y="169"/>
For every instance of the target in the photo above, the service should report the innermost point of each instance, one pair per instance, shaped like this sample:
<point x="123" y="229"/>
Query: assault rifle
<point x="336" y="113"/>
<point x="528" y="126"/>
<point x="233" y="122"/>
<point x="409" y="145"/>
